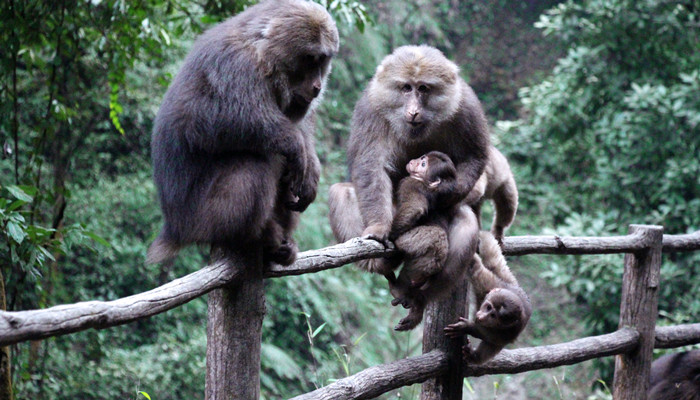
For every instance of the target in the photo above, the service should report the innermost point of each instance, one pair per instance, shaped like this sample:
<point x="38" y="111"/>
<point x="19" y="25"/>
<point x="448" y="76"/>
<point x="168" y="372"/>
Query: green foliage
<point x="611" y="138"/>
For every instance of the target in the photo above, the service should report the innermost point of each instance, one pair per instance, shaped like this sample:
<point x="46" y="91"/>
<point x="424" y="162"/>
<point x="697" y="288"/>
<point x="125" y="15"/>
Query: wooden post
<point x="638" y="309"/>
<point x="234" y="333"/>
<point x="5" y="369"/>
<point x="439" y="314"/>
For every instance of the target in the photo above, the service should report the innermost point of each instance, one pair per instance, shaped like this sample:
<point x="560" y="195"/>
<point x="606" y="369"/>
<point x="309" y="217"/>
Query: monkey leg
<point x="425" y="252"/>
<point x="279" y="246"/>
<point x="344" y="212"/>
<point x="415" y="315"/>
<point x="462" y="238"/>
<point x="505" y="201"/>
<point x="238" y="200"/>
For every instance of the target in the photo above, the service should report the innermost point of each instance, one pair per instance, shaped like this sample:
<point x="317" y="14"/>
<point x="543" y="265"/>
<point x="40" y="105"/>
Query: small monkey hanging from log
<point x="503" y="307"/>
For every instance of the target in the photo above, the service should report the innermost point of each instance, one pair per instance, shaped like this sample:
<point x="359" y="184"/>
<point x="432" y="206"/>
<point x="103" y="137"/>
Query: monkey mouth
<point x="301" y="100"/>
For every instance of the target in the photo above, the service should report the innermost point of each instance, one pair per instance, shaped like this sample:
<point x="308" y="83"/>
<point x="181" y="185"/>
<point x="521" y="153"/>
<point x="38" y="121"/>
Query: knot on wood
<point x="560" y="243"/>
<point x="14" y="322"/>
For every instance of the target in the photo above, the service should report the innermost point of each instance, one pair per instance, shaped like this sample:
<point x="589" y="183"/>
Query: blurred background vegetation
<point x="596" y="104"/>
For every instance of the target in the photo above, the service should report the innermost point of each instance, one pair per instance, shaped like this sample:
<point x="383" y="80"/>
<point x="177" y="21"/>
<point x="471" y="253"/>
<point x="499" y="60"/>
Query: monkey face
<point x="306" y="76"/>
<point x="501" y="309"/>
<point x="415" y="88"/>
<point x="418" y="168"/>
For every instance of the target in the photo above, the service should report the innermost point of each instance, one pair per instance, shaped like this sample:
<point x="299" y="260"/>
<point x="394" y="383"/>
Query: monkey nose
<point x="415" y="120"/>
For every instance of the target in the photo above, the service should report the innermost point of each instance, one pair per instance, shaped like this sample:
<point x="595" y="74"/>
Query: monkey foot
<point x="285" y="254"/>
<point x="405" y="302"/>
<point x="467" y="352"/>
<point x="407" y="324"/>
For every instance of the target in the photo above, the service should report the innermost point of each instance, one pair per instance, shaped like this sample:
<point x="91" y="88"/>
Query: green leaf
<point x="97" y="238"/>
<point x="145" y="395"/>
<point x="16" y="232"/>
<point x="19" y="194"/>
<point x="318" y="330"/>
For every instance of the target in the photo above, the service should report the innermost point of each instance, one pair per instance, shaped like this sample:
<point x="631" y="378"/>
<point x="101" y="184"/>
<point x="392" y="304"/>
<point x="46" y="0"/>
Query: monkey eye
<point x="422" y="164"/>
<point x="406" y="88"/>
<point x="423" y="89"/>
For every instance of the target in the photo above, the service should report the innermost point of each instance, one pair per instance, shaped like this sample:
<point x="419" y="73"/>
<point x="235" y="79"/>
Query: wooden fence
<point x="236" y="310"/>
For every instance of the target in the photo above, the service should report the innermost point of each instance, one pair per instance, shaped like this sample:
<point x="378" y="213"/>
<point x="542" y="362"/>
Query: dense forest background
<point x="596" y="103"/>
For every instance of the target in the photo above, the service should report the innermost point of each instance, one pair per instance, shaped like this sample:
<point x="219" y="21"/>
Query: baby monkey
<point x="503" y="307"/>
<point x="426" y="200"/>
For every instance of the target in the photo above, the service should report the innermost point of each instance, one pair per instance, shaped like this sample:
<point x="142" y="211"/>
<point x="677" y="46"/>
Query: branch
<point x="669" y="337"/>
<point x="374" y="381"/>
<point x="576" y="351"/>
<point x="331" y="257"/>
<point x="520" y="245"/>
<point x="688" y="242"/>
<point x="19" y="326"/>
<point x="380" y="379"/>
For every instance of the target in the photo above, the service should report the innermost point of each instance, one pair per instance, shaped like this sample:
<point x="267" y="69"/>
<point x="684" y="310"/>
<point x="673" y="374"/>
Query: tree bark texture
<point x="639" y="309"/>
<point x="439" y="314"/>
<point x="234" y="332"/>
<point x="19" y="326"/>
<point x="380" y="379"/>
<point x="5" y="368"/>
<point x="670" y="337"/>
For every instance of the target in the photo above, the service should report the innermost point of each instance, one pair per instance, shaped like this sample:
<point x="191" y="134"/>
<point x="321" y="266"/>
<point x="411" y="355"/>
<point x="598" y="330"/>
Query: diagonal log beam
<point x="18" y="326"/>
<point x="379" y="379"/>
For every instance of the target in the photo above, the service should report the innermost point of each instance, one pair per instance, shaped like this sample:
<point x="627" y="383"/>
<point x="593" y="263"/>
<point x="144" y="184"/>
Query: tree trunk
<point x="638" y="309"/>
<point x="439" y="314"/>
<point x="5" y="370"/>
<point x="234" y="333"/>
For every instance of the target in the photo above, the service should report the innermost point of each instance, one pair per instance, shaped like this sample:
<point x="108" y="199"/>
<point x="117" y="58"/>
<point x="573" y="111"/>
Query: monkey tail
<point x="492" y="257"/>
<point x="161" y="250"/>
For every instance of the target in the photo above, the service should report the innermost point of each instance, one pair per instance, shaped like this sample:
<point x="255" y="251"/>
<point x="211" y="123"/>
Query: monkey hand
<point x="468" y="353"/>
<point x="457" y="329"/>
<point x="303" y="188"/>
<point x="378" y="232"/>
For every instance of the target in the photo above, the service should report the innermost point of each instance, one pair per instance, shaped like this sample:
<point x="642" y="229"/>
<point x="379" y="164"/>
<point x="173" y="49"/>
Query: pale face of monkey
<point x="501" y="309"/>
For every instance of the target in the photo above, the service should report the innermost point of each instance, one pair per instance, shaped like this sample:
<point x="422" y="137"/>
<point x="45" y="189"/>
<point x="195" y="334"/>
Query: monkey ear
<point x="435" y="183"/>
<point x="507" y="317"/>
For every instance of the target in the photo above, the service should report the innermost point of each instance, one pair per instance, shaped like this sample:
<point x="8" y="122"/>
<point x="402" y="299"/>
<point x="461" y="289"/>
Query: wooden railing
<point x="236" y="310"/>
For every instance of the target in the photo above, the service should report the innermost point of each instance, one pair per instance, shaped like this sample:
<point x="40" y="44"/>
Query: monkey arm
<point x="312" y="166"/>
<point x="374" y="193"/>
<point x="413" y="205"/>
<point x="469" y="171"/>
<point x="461" y="328"/>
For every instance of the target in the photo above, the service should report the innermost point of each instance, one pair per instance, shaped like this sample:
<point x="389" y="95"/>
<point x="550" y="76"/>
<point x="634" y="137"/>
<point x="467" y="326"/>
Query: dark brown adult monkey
<point x="496" y="183"/>
<point x="426" y="200"/>
<point x="676" y="377"/>
<point x="416" y="102"/>
<point x="504" y="308"/>
<point x="233" y="150"/>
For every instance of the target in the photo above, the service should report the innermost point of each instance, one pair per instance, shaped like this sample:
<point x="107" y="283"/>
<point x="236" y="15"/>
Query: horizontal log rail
<point x="379" y="379"/>
<point x="19" y="326"/>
